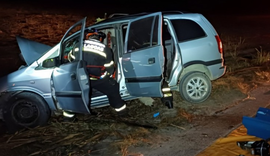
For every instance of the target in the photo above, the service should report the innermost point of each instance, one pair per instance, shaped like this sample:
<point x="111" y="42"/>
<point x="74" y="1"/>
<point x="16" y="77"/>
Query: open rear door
<point x="70" y="79"/>
<point x="143" y="60"/>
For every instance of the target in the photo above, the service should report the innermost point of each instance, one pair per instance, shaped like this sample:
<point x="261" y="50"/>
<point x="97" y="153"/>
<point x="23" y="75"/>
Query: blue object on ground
<point x="259" y="125"/>
<point x="156" y="114"/>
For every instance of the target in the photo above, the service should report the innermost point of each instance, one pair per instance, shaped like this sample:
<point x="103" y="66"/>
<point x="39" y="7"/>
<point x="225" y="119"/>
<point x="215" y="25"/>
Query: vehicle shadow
<point x="3" y="128"/>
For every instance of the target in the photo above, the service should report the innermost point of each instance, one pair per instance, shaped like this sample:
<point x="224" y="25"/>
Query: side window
<point x="70" y="43"/>
<point x="68" y="54"/>
<point x="187" y="30"/>
<point x="142" y="34"/>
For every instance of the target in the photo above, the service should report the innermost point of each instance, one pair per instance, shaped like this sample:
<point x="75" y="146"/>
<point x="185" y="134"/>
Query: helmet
<point x="94" y="34"/>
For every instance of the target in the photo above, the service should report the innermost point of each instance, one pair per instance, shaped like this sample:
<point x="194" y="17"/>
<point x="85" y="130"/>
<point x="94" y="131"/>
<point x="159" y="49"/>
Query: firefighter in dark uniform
<point x="100" y="67"/>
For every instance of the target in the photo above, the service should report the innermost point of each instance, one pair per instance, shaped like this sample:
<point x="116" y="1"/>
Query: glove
<point x="102" y="76"/>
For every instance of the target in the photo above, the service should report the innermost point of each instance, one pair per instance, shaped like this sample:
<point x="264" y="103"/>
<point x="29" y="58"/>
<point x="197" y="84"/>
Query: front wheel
<point x="25" y="110"/>
<point x="195" y="87"/>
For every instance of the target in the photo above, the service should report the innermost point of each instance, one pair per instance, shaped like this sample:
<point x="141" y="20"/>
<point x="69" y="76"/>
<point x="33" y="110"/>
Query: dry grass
<point x="232" y="46"/>
<point x="261" y="57"/>
<point x="74" y="138"/>
<point x="44" y="28"/>
<point x="45" y="140"/>
<point x="244" y="70"/>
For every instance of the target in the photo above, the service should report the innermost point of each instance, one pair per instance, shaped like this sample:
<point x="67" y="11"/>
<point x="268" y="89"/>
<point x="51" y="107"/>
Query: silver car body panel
<point x="198" y="51"/>
<point x="143" y="68"/>
<point x="31" y="80"/>
<point x="31" y="50"/>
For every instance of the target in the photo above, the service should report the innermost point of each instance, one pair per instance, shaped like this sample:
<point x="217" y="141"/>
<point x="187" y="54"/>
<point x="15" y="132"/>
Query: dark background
<point x="99" y="7"/>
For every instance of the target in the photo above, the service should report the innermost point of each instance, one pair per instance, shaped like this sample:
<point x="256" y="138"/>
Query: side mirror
<point x="49" y="63"/>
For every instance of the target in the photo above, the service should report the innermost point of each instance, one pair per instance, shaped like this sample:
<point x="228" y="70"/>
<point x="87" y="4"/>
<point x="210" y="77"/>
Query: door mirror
<point x="49" y="63"/>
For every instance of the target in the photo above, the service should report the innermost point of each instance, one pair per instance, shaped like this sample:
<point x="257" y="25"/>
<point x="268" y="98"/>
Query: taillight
<point x="220" y="48"/>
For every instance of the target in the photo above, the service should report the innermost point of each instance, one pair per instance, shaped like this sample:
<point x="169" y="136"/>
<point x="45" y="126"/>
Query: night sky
<point x="99" y="7"/>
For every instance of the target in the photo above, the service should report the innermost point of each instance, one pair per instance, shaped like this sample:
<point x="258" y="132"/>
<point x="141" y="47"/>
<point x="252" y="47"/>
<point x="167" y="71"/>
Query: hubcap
<point x="197" y="88"/>
<point x="25" y="112"/>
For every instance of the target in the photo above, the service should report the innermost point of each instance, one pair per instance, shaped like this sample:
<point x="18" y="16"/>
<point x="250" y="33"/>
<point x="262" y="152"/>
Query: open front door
<point x="143" y="60"/>
<point x="70" y="80"/>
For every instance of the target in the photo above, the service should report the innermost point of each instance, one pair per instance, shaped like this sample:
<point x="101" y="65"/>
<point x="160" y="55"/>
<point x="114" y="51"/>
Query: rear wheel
<point x="195" y="87"/>
<point x="25" y="110"/>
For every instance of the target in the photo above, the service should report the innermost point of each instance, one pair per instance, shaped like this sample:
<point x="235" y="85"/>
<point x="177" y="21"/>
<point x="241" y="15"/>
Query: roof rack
<point x="173" y="12"/>
<point x="123" y="16"/>
<point x="117" y="15"/>
<point x="114" y="15"/>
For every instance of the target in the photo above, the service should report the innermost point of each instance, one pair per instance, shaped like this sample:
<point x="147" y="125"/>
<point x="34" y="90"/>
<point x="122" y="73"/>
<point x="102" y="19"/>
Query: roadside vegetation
<point x="246" y="70"/>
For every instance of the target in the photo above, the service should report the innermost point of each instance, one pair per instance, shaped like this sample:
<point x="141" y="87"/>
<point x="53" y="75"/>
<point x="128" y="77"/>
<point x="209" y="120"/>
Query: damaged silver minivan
<point x="181" y="49"/>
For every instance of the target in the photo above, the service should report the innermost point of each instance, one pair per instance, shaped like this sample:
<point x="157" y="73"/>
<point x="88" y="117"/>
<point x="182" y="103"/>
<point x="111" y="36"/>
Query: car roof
<point x="120" y="18"/>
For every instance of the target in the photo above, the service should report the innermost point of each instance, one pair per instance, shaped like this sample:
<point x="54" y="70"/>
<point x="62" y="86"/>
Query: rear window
<point x="187" y="30"/>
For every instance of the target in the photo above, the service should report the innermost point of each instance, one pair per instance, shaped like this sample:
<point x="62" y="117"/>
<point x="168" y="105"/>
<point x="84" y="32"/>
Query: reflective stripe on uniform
<point x="95" y="43"/>
<point x="69" y="115"/>
<point x="108" y="64"/>
<point x="167" y="94"/>
<point x="121" y="108"/>
<point x="93" y="78"/>
<point x="93" y="46"/>
<point x="101" y="53"/>
<point x="166" y="89"/>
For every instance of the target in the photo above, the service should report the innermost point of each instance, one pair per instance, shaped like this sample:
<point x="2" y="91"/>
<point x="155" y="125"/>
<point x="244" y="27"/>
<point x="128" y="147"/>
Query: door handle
<point x="73" y="76"/>
<point x="151" y="60"/>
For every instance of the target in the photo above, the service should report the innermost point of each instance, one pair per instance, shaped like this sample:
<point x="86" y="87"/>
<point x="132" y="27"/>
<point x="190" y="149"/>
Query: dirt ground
<point x="204" y="130"/>
<point x="183" y="131"/>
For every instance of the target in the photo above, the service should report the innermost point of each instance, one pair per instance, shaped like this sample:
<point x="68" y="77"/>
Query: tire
<point x="195" y="87"/>
<point x="25" y="110"/>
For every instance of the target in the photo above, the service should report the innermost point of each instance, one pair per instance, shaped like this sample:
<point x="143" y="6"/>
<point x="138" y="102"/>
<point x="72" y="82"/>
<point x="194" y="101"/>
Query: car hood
<point x="31" y="50"/>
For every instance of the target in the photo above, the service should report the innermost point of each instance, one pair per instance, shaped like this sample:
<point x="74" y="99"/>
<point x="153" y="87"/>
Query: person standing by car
<point x="100" y="67"/>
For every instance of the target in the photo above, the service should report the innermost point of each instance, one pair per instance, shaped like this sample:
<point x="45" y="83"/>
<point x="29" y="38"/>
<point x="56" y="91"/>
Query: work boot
<point x="93" y="113"/>
<point x="122" y="111"/>
<point x="69" y="117"/>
